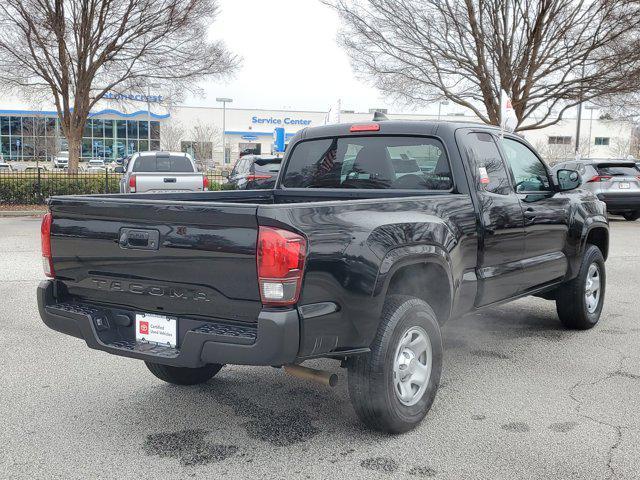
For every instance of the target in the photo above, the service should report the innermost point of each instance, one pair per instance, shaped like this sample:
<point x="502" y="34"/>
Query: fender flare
<point x="409" y="255"/>
<point x="588" y="229"/>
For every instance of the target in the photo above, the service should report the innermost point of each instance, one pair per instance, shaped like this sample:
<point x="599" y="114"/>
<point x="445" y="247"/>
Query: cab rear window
<point x="379" y="162"/>
<point x="162" y="164"/>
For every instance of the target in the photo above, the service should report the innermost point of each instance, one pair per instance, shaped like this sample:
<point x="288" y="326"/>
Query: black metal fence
<point x="34" y="186"/>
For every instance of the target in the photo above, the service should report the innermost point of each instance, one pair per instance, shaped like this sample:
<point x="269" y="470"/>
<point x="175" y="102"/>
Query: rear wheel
<point x="393" y="386"/>
<point x="184" y="376"/>
<point x="579" y="302"/>
<point x="631" y="216"/>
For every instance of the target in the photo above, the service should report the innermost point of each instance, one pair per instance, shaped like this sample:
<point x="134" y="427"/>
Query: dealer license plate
<point x="623" y="185"/>
<point x="156" y="329"/>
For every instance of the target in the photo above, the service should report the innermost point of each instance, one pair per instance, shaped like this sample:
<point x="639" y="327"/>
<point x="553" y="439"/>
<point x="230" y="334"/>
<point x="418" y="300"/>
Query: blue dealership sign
<point x="278" y="139"/>
<point x="249" y="138"/>
<point x="133" y="97"/>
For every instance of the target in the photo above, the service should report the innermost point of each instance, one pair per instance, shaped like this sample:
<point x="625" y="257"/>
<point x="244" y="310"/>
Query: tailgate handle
<point x="139" y="239"/>
<point x="169" y="180"/>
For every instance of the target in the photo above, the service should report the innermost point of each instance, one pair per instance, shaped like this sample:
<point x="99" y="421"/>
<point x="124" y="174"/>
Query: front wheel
<point x="579" y="302"/>
<point x="183" y="376"/>
<point x="631" y="216"/>
<point x="394" y="385"/>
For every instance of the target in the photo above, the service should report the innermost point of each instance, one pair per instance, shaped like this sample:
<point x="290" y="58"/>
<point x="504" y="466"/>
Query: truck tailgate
<point x="174" y="258"/>
<point x="153" y="182"/>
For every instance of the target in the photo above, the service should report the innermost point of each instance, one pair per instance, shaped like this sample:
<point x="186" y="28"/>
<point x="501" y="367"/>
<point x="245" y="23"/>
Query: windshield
<point x="369" y="162"/>
<point x="152" y="163"/>
<point x="624" y="170"/>
<point x="268" y="166"/>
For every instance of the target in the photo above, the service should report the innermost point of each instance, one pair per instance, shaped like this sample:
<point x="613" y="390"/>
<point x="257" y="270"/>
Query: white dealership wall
<point x="257" y="125"/>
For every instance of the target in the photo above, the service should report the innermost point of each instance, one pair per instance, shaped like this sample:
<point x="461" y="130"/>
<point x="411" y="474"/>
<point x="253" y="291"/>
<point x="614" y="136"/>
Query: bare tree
<point x="171" y="133"/>
<point x="205" y="138"/>
<point x="78" y="50"/>
<point x="553" y="153"/>
<point x="44" y="144"/>
<point x="623" y="147"/>
<point x="548" y="55"/>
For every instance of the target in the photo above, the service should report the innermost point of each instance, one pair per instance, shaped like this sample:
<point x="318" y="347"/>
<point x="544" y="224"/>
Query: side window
<point x="489" y="171"/>
<point x="245" y="166"/>
<point x="529" y="172"/>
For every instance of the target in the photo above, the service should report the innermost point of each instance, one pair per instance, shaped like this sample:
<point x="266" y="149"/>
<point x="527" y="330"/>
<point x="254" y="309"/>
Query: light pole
<point x="224" y="102"/>
<point x="148" y="119"/>
<point x="591" y="108"/>
<point x="579" y="124"/>
<point x="440" y="103"/>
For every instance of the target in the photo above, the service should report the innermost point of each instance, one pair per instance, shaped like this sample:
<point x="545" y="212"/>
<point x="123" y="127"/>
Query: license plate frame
<point x="156" y="329"/>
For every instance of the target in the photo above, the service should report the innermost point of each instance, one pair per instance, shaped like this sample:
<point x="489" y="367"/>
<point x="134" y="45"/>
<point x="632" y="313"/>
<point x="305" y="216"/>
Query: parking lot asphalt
<point x="520" y="398"/>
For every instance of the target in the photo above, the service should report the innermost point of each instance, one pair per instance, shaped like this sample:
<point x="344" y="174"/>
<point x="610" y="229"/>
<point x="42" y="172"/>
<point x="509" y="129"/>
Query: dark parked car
<point x="615" y="182"/>
<point x="255" y="172"/>
<point x="345" y="258"/>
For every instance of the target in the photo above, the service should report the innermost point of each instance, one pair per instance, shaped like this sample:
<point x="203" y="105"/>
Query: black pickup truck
<point x="373" y="236"/>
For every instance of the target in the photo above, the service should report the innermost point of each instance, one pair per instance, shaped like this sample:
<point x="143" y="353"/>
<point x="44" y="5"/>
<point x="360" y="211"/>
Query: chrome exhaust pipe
<point x="318" y="376"/>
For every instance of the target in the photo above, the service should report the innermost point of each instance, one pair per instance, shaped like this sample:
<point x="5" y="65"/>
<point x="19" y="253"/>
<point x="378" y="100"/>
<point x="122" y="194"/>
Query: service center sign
<point x="280" y="121"/>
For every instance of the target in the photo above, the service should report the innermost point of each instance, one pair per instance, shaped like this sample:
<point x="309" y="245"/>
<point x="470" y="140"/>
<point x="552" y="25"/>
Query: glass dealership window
<point x="155" y="131"/>
<point x="132" y="129"/>
<point x="108" y="128"/>
<point x="143" y="130"/>
<point x="121" y="128"/>
<point x="31" y="137"/>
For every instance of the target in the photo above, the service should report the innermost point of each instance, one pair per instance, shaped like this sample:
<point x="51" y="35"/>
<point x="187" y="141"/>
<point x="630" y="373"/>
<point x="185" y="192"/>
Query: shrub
<point x="26" y="189"/>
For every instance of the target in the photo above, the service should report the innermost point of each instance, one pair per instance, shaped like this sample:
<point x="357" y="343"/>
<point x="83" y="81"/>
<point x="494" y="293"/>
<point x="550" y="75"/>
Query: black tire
<point x="183" y="376"/>
<point x="371" y="377"/>
<point x="570" y="298"/>
<point x="631" y="216"/>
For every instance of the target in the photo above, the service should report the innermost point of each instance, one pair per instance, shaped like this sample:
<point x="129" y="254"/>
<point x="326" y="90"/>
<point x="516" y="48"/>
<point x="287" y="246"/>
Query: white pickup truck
<point x="158" y="172"/>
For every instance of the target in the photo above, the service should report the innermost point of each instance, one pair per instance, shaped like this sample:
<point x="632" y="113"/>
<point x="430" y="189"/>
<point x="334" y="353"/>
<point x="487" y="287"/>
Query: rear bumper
<point x="620" y="202"/>
<point x="274" y="341"/>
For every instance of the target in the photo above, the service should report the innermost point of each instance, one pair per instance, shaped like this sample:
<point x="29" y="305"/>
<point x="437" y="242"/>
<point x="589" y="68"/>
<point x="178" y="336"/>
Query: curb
<point x="22" y="213"/>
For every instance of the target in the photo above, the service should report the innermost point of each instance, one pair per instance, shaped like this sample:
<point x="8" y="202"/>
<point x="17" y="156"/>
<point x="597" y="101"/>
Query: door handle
<point x="530" y="213"/>
<point x="139" y="239"/>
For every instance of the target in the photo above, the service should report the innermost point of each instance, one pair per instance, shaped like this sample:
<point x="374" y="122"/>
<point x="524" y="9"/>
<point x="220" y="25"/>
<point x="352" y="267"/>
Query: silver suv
<point x="615" y="182"/>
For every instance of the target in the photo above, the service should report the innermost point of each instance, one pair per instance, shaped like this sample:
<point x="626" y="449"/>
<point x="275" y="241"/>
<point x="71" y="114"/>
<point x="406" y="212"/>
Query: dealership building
<point x="123" y="124"/>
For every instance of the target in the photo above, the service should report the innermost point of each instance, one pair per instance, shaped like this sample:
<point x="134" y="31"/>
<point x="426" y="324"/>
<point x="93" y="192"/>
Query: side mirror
<point x="225" y="174"/>
<point x="118" y="169"/>
<point x="568" y="180"/>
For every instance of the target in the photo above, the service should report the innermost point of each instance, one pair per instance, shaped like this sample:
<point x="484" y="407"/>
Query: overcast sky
<point x="290" y="58"/>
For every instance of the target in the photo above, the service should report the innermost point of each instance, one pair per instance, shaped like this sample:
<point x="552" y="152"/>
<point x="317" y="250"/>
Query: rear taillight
<point x="280" y="258"/>
<point x="205" y="182"/>
<point x="257" y="177"/>
<point x="600" y="178"/>
<point x="45" y="241"/>
<point x="132" y="183"/>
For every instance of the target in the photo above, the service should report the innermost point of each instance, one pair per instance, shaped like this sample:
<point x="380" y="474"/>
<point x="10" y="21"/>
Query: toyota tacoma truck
<point x="159" y="172"/>
<point x="373" y="236"/>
